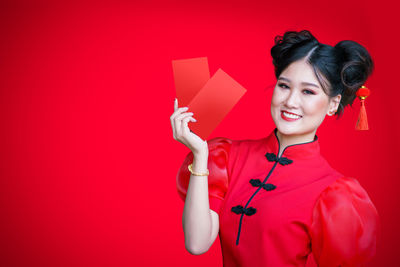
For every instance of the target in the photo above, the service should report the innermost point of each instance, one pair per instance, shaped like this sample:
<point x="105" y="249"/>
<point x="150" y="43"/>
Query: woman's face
<point x="299" y="104"/>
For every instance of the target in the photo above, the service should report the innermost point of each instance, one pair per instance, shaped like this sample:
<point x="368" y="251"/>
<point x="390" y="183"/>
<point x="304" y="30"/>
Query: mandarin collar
<point x="295" y="151"/>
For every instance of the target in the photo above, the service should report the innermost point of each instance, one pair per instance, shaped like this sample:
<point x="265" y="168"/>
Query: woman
<point x="275" y="200"/>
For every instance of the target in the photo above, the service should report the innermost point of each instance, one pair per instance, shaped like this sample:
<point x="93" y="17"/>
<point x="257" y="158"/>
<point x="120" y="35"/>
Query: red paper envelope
<point x="209" y="102"/>
<point x="213" y="103"/>
<point x="190" y="76"/>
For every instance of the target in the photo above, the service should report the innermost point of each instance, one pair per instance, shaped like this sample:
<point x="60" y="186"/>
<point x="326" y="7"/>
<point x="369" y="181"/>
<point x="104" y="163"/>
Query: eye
<point x="282" y="85"/>
<point x="308" y="92"/>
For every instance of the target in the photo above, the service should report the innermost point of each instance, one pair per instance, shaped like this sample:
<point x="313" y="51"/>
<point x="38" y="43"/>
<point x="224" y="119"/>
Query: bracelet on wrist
<point x="196" y="173"/>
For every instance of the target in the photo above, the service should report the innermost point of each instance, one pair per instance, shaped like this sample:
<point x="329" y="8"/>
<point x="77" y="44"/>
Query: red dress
<point x="276" y="211"/>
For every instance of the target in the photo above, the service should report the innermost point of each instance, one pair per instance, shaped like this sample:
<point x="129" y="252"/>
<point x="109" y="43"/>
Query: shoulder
<point x="344" y="187"/>
<point x="345" y="193"/>
<point x="343" y="204"/>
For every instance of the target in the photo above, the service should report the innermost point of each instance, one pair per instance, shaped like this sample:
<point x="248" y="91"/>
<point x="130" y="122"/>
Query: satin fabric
<point x="345" y="224"/>
<point x="313" y="210"/>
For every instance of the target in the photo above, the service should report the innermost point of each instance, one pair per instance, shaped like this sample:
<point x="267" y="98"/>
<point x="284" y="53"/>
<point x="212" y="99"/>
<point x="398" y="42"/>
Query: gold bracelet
<point x="195" y="173"/>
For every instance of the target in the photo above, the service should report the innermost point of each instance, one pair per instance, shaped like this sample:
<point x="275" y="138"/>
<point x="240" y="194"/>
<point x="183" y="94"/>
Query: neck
<point x="288" y="140"/>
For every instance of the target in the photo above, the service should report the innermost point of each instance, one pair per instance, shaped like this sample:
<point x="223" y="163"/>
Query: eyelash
<point x="309" y="92"/>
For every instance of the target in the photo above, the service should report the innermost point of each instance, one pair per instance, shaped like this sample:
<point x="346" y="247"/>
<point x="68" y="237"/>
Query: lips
<point x="289" y="116"/>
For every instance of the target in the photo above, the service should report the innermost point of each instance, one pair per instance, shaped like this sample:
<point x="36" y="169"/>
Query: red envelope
<point x="190" y="76"/>
<point x="212" y="102"/>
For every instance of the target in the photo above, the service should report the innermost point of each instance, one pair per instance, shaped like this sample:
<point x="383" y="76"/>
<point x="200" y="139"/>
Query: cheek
<point x="275" y="101"/>
<point x="275" y="105"/>
<point x="319" y="106"/>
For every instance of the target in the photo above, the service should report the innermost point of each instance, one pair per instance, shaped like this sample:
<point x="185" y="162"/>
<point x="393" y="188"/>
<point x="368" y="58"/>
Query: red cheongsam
<point x="275" y="211"/>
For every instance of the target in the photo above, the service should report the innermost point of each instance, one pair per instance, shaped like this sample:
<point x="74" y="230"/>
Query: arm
<point x="200" y="223"/>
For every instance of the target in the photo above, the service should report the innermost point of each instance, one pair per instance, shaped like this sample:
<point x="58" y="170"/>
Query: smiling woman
<point x="274" y="201"/>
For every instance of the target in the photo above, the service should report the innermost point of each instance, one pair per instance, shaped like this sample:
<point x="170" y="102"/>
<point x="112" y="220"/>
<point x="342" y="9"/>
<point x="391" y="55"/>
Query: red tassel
<point x="362" y="122"/>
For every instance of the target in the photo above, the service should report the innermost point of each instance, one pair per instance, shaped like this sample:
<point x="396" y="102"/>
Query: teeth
<point x="292" y="116"/>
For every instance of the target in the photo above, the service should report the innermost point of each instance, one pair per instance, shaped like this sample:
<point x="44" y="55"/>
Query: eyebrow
<point x="303" y="83"/>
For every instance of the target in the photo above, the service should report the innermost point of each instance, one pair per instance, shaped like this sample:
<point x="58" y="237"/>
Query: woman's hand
<point x="181" y="132"/>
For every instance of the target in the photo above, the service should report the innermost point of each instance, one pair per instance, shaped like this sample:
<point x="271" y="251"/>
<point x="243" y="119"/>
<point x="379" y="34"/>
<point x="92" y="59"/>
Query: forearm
<point x="196" y="219"/>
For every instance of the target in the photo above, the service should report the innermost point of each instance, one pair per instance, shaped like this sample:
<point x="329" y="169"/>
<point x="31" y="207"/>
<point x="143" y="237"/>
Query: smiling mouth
<point x="289" y="116"/>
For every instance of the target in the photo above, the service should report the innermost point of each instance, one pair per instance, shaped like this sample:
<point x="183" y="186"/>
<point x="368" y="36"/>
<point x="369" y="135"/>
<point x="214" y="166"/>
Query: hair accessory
<point x="362" y="122"/>
<point x="196" y="173"/>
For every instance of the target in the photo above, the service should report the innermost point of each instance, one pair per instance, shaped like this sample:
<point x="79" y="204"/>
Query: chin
<point x="288" y="130"/>
<point x="302" y="127"/>
<point x="294" y="130"/>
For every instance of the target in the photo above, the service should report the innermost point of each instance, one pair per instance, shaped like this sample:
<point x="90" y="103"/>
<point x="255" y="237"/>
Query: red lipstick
<point x="287" y="118"/>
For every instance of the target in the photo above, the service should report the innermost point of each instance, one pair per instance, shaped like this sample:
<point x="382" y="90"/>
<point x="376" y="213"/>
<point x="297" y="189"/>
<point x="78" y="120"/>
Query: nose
<point x="292" y="100"/>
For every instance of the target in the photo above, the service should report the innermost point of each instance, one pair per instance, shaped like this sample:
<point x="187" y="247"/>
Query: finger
<point x="183" y="115"/>
<point x="171" y="118"/>
<point x="180" y="116"/>
<point x="175" y="104"/>
<point x="185" y="127"/>
<point x="177" y="124"/>
<point x="173" y="126"/>
<point x="179" y="120"/>
<point x="179" y="111"/>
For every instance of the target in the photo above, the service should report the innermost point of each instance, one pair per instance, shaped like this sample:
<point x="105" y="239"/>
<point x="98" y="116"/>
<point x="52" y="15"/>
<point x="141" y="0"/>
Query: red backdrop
<point x="88" y="161"/>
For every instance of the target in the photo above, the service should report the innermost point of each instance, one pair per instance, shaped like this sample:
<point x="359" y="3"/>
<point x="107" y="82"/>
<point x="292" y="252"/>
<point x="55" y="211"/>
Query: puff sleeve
<point x="218" y="178"/>
<point x="345" y="225"/>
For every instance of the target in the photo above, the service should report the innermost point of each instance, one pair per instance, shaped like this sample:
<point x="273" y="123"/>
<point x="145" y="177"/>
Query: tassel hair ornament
<point x="362" y="122"/>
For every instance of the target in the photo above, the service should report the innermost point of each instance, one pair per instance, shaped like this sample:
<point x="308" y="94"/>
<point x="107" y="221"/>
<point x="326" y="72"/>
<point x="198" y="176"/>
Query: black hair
<point x="340" y="69"/>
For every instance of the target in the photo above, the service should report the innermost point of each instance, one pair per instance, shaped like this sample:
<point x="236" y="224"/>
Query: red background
<point x="88" y="161"/>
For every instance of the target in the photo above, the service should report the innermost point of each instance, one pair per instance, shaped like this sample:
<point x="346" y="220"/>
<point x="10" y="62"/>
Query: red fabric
<point x="313" y="208"/>
<point x="344" y="226"/>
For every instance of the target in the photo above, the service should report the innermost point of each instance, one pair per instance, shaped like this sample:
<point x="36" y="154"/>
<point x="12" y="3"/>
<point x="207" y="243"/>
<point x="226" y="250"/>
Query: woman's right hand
<point x="181" y="132"/>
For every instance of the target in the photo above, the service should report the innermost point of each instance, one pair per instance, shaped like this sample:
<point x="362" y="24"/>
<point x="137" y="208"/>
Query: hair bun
<point x="357" y="63"/>
<point x="357" y="67"/>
